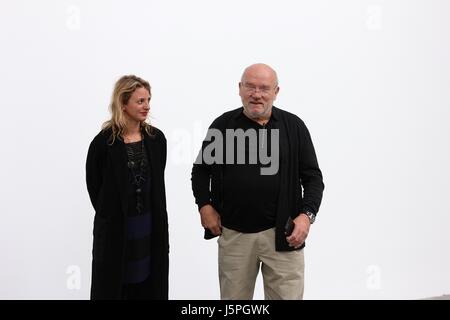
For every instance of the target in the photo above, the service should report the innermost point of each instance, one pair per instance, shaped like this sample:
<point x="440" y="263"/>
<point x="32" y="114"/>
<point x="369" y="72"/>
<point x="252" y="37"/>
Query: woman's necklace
<point x="137" y="163"/>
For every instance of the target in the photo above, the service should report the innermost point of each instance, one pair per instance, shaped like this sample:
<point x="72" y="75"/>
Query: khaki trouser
<point x="240" y="256"/>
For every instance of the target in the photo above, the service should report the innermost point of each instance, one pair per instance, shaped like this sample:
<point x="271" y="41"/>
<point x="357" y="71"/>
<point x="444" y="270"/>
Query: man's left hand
<point x="300" y="232"/>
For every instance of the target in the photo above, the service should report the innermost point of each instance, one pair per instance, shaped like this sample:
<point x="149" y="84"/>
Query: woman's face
<point x="138" y="106"/>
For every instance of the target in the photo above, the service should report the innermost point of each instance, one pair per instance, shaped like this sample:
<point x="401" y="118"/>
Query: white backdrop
<point x="370" y="78"/>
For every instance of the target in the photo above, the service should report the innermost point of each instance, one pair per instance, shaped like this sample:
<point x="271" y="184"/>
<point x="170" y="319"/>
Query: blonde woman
<point x="125" y="180"/>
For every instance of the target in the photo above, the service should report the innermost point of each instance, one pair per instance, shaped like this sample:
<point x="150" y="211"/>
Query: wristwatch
<point x="311" y="216"/>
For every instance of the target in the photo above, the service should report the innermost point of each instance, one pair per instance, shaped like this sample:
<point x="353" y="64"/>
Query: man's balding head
<point x="258" y="90"/>
<point x="260" y="69"/>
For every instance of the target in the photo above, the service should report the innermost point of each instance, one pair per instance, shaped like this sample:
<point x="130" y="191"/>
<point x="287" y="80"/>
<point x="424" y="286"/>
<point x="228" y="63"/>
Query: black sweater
<point x="250" y="198"/>
<point x="300" y="179"/>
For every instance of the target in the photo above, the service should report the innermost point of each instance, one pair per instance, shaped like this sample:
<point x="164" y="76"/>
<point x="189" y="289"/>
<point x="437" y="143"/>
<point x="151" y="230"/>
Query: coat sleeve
<point x="164" y="151"/>
<point x="310" y="174"/>
<point x="200" y="178"/>
<point x="201" y="171"/>
<point x="163" y="164"/>
<point x="95" y="164"/>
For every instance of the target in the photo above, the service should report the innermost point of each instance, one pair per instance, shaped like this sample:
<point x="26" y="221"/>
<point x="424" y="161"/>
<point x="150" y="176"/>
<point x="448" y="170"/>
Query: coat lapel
<point x="119" y="160"/>
<point x="150" y="147"/>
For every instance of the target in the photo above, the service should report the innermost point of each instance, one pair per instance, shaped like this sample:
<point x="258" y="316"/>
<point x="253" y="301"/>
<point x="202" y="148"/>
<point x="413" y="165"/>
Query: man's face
<point x="258" y="91"/>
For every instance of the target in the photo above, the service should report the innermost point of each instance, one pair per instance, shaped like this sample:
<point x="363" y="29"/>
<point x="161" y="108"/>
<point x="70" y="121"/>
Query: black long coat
<point x="107" y="183"/>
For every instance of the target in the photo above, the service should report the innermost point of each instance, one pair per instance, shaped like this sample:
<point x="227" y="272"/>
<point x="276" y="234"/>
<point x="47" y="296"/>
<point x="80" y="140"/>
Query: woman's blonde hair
<point x="123" y="89"/>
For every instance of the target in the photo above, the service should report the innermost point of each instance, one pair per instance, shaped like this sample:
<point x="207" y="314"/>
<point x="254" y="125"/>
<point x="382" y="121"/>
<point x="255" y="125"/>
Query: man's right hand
<point x="211" y="219"/>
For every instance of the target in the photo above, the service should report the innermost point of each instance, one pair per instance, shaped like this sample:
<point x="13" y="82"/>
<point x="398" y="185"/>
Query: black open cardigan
<point x="107" y="184"/>
<point x="301" y="185"/>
